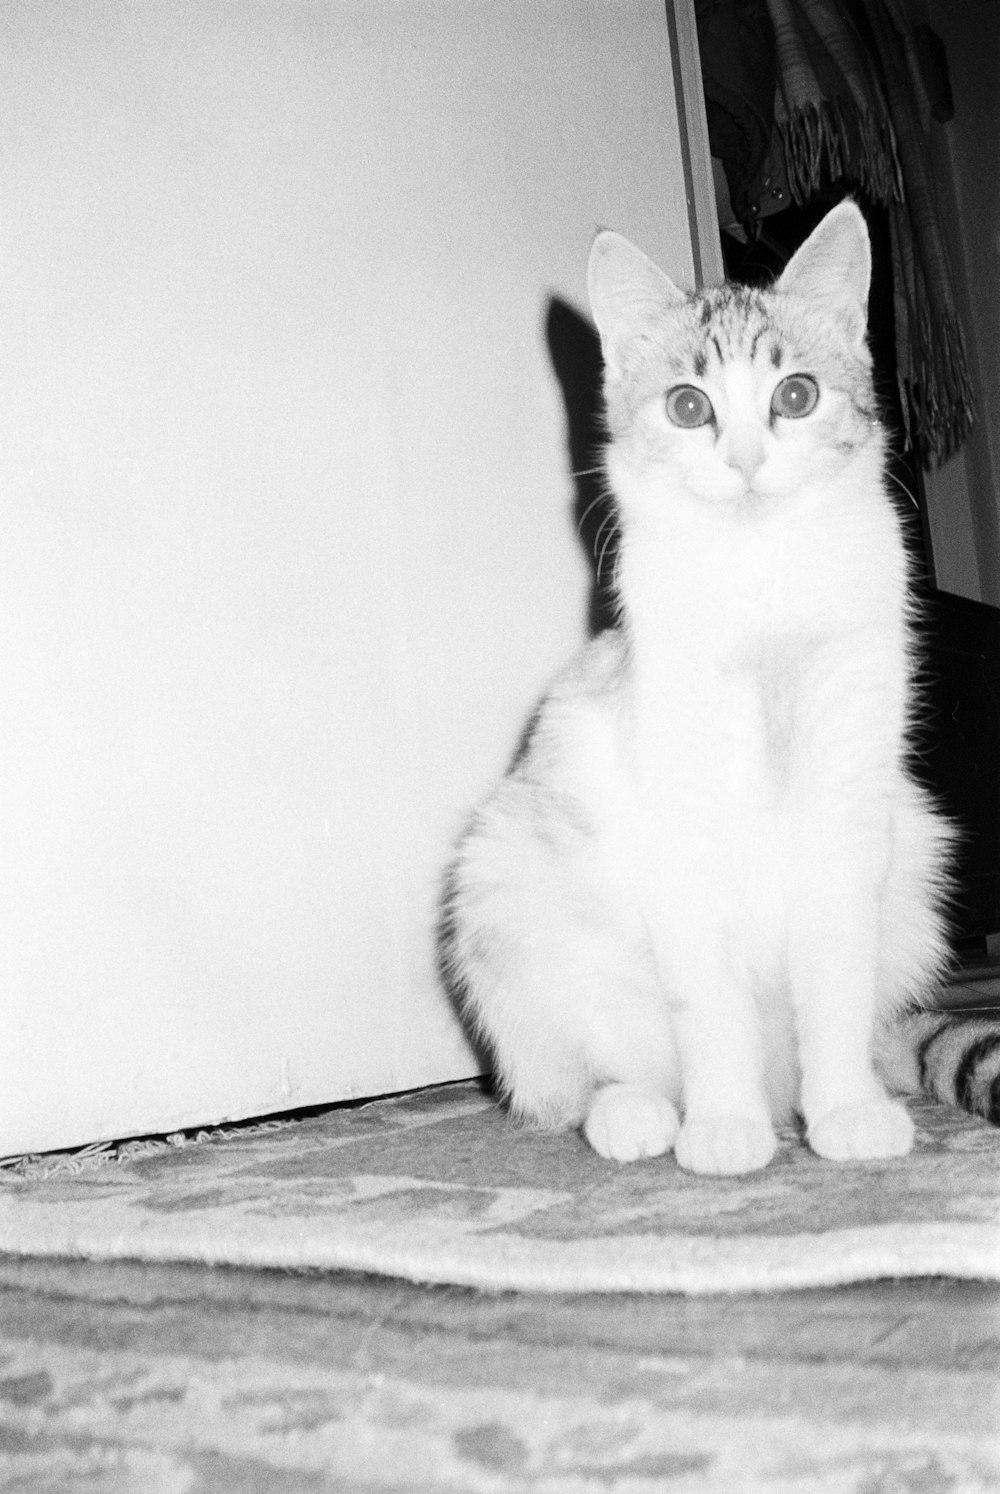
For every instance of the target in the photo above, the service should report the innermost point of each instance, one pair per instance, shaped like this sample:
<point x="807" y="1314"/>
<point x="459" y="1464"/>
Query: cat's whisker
<point x="609" y="518"/>
<point x="594" y="503"/>
<point x="604" y="550"/>
<point x="908" y="492"/>
<point x="609" y="522"/>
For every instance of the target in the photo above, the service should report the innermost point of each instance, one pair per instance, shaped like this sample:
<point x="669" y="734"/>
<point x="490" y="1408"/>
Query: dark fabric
<point x="932" y="369"/>
<point x="739" y="71"/>
<point x="851" y="106"/>
<point x="843" y="83"/>
<point x="830" y="108"/>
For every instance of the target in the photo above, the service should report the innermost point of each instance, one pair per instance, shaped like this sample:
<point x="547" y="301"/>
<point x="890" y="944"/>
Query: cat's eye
<point x="795" y="396"/>
<point x="688" y="407"/>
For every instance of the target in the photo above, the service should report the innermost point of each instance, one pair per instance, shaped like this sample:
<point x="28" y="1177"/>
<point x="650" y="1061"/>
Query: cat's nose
<point x="743" y="448"/>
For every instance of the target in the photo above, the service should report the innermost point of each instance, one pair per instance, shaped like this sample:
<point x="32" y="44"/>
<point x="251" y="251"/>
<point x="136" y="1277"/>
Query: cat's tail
<point x="953" y="1057"/>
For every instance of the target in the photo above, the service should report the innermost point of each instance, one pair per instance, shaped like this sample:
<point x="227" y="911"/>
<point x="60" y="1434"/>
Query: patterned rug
<point x="441" y="1187"/>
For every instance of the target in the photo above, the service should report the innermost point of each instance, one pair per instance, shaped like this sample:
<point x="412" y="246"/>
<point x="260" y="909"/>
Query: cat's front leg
<point x="833" y="956"/>
<point x="727" y="1126"/>
<point x="726" y="1129"/>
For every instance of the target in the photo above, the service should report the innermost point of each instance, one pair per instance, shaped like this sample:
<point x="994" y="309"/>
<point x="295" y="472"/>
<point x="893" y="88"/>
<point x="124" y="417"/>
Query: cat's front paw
<point x="626" y="1122"/>
<point x="864" y="1131"/>
<point x="725" y="1144"/>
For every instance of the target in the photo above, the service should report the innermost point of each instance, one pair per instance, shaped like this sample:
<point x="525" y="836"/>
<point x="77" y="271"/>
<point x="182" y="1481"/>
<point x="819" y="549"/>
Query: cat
<point x="709" y="896"/>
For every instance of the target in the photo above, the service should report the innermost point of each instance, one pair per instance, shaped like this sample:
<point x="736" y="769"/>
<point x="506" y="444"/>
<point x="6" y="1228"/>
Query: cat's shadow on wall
<point x="575" y="351"/>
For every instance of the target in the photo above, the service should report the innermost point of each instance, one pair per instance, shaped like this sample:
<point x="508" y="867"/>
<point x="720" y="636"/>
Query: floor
<point x="128" y="1379"/>
<point x="914" y="1356"/>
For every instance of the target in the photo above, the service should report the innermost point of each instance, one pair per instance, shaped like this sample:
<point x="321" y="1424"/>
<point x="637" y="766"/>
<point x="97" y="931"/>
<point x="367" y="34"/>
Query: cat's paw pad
<point x="725" y="1144"/>
<point x="625" y="1122"/>
<point x="864" y="1131"/>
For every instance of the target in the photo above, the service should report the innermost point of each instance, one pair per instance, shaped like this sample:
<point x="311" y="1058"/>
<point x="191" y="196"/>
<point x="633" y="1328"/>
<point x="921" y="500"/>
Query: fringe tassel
<point x="939" y="392"/>
<point x="829" y="141"/>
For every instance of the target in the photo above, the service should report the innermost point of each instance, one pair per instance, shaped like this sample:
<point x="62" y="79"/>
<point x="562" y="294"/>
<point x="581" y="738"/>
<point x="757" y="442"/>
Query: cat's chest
<point x="771" y="675"/>
<point x="721" y="730"/>
<point x="749" y="642"/>
<point x="713" y="586"/>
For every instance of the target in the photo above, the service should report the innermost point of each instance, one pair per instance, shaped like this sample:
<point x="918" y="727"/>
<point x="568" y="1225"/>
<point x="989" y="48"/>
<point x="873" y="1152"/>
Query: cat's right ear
<point x="627" y="293"/>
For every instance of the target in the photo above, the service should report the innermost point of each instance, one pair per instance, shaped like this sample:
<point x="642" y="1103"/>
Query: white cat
<point x="708" y="886"/>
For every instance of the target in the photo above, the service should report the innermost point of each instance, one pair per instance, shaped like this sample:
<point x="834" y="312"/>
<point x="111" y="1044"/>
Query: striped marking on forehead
<point x="734" y="322"/>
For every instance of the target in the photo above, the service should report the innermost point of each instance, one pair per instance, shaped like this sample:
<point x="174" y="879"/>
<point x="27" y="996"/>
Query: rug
<point x="441" y="1187"/>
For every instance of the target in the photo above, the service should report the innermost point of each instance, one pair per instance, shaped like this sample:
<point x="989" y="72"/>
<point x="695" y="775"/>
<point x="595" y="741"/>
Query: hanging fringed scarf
<point x="854" y="109"/>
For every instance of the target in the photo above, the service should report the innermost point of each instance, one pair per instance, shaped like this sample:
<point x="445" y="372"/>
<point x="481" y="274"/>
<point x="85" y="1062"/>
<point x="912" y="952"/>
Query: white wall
<point x="286" y="546"/>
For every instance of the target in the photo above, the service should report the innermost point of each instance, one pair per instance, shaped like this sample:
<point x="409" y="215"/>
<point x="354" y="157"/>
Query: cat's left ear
<point x="627" y="293"/>
<point x="833" y="269"/>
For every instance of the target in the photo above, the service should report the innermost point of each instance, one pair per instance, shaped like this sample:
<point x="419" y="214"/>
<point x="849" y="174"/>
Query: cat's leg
<point x="695" y="845"/>
<point x="554" y="975"/>
<point x="521" y="1009"/>
<point x="632" y="1056"/>
<point x="578" y="1043"/>
<point x="727" y="1127"/>
<point x="833" y="956"/>
<point x="842" y="781"/>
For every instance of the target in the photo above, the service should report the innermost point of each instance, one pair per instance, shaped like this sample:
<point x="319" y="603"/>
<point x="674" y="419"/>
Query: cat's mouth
<point x="735" y="492"/>
<point x="748" y="500"/>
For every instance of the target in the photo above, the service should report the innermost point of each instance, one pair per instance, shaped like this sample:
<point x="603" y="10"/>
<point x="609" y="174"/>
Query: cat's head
<point x="739" y="397"/>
